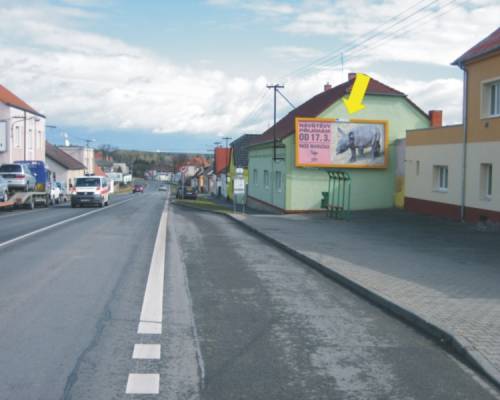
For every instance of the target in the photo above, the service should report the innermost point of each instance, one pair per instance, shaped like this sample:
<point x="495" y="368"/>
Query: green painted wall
<point x="261" y="160"/>
<point x="370" y="188"/>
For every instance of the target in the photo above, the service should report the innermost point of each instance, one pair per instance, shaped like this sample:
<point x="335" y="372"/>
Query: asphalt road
<point x="239" y="319"/>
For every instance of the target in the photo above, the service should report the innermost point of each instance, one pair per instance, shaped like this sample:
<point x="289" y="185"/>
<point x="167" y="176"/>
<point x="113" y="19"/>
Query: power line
<point x="363" y="38"/>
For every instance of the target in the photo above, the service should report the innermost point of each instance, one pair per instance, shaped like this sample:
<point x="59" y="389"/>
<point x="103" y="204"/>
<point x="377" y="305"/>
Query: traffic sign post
<point x="239" y="190"/>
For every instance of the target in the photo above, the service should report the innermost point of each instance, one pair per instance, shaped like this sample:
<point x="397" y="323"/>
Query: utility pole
<point x="275" y="88"/>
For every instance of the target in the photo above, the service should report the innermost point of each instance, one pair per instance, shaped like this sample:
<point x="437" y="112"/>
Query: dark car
<point x="189" y="193"/>
<point x="138" y="188"/>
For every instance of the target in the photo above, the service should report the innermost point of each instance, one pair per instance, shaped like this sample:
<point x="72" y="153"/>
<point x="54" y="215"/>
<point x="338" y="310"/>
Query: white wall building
<point x="65" y="168"/>
<point x="22" y="130"/>
<point x="83" y="154"/>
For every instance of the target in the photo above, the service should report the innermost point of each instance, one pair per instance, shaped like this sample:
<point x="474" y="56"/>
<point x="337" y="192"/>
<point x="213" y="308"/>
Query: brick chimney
<point x="351" y="76"/>
<point x="327" y="86"/>
<point x="436" y="117"/>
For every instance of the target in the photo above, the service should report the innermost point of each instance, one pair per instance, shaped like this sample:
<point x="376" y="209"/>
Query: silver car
<point x="4" y="189"/>
<point x="18" y="177"/>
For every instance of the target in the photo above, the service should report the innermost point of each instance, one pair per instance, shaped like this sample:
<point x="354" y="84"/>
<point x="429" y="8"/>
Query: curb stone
<point x="454" y="344"/>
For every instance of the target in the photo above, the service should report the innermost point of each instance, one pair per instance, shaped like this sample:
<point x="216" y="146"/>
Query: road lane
<point x="240" y="320"/>
<point x="59" y="290"/>
<point x="21" y="222"/>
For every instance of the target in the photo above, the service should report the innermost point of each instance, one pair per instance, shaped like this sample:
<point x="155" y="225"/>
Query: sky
<point x="180" y="75"/>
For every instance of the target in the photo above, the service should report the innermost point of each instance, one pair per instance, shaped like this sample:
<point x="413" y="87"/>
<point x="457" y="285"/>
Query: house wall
<point x="444" y="146"/>
<point x="83" y="154"/>
<point x="370" y="188"/>
<point x="261" y="160"/>
<point x="64" y="175"/>
<point x="21" y="146"/>
<point x="480" y="128"/>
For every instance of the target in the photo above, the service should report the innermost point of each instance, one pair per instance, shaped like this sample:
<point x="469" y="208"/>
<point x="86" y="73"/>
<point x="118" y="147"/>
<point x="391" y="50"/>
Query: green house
<point x="276" y="183"/>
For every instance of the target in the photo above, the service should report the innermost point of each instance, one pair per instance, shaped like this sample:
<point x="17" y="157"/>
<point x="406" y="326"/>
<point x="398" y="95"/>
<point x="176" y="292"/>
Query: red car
<point x="138" y="188"/>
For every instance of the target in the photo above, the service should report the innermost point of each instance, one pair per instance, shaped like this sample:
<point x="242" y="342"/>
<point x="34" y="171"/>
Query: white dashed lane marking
<point x="152" y="305"/>
<point x="147" y="352"/>
<point x="143" y="384"/>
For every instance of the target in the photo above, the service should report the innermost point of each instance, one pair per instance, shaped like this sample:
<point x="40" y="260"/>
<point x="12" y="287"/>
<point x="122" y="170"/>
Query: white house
<point x="65" y="168"/>
<point x="22" y="130"/>
<point x="83" y="154"/>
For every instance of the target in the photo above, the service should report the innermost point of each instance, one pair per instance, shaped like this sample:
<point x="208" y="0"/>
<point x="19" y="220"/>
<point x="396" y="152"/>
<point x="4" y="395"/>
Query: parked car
<point x="138" y="188"/>
<point x="189" y="193"/>
<point x="163" y="188"/>
<point x="18" y="177"/>
<point x="4" y="189"/>
<point x="91" y="190"/>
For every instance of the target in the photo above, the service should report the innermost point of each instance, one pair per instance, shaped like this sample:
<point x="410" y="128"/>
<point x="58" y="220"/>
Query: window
<point x="418" y="168"/>
<point x="39" y="140"/>
<point x="491" y="99"/>
<point x="441" y="178"/>
<point x="30" y="139"/>
<point x="486" y="181"/>
<point x="266" y="179"/>
<point x="277" y="180"/>
<point x="255" y="177"/>
<point x="17" y="137"/>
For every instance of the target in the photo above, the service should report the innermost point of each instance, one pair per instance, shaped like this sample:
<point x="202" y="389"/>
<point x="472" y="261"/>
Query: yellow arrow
<point x="355" y="101"/>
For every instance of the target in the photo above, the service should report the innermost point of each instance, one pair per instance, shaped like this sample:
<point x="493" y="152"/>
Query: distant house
<point x="239" y="159"/>
<point x="278" y="183"/>
<point x="222" y="158"/>
<point x="83" y="154"/>
<point x="22" y="130"/>
<point x="454" y="171"/>
<point x="65" y="168"/>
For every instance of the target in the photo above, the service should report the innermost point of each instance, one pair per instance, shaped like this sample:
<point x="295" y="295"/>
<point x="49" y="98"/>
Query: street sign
<point x="239" y="185"/>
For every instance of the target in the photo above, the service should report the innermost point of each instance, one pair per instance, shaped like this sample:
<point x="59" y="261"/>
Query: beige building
<point x="454" y="171"/>
<point x="22" y="130"/>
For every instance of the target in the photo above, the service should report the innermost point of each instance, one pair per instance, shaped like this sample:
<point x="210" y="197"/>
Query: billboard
<point x="331" y="143"/>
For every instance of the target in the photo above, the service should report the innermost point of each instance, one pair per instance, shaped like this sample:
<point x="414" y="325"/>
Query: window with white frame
<point x="277" y="180"/>
<point x="491" y="99"/>
<point x="255" y="177"/>
<point x="266" y="179"/>
<point x="441" y="178"/>
<point x="39" y="140"/>
<point x="417" y="171"/>
<point x="486" y="181"/>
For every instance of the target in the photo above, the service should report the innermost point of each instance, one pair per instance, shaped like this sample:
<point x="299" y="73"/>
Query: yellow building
<point x="454" y="171"/>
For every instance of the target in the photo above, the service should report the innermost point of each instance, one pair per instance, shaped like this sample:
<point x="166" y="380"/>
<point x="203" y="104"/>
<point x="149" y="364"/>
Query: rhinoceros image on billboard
<point x="329" y="143"/>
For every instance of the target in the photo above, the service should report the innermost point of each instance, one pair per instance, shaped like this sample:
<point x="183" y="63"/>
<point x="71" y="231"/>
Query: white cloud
<point x="81" y="78"/>
<point x="87" y="79"/>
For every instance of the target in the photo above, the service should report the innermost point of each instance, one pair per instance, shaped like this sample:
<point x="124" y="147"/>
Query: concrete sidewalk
<point x="440" y="275"/>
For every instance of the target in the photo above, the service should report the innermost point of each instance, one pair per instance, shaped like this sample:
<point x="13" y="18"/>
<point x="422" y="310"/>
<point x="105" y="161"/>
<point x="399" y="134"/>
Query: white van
<point x="91" y="190"/>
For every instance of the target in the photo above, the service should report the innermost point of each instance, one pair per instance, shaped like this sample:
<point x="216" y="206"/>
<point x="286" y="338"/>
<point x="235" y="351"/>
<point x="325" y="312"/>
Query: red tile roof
<point x="488" y="45"/>
<point x="62" y="158"/>
<point x="9" y="98"/>
<point x="222" y="159"/>
<point x="98" y="171"/>
<point x="319" y="103"/>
